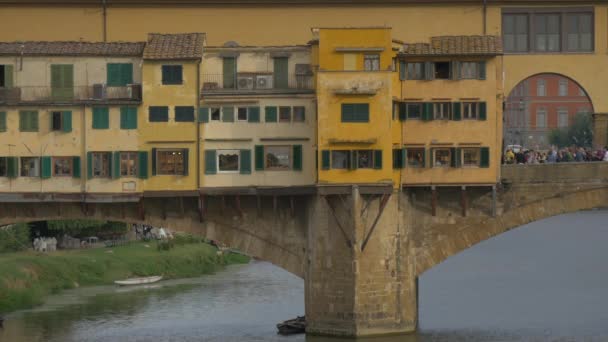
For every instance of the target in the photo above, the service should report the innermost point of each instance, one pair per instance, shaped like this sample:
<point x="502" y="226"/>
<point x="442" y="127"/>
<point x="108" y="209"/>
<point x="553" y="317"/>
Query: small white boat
<point x="138" y="281"/>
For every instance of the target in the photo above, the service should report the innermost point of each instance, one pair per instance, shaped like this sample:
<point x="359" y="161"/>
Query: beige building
<point x="259" y="115"/>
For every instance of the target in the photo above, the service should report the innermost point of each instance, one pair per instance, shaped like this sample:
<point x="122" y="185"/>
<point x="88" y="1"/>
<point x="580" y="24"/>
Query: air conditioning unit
<point x="99" y="91"/>
<point x="245" y="82"/>
<point x="263" y="82"/>
<point x="134" y="92"/>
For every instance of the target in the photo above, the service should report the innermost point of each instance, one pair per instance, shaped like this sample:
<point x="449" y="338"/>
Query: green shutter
<point x="153" y="162"/>
<point x="254" y="114"/>
<point x="45" y="167"/>
<point x="281" y="72"/>
<point x="429" y="71"/>
<point x="229" y="72"/>
<point x="456" y="111"/>
<point x="203" y="114"/>
<point x="28" y="121"/>
<point x="128" y="117"/>
<point x="453" y="157"/>
<point x="132" y="118"/>
<point x="115" y="169"/>
<point x="227" y="114"/>
<point x="142" y="164"/>
<point x="114" y="71"/>
<point x="186" y="169"/>
<point x="2" y="121"/>
<point x="124" y="116"/>
<point x="485" y="157"/>
<point x="89" y="165"/>
<point x="481" y="70"/>
<point x="259" y="157"/>
<point x="377" y="159"/>
<point x="423" y="165"/>
<point x="66" y="121"/>
<point x="403" y="157"/>
<point x="483" y="111"/>
<point x="184" y="114"/>
<point x="432" y="156"/>
<point x="8" y="76"/>
<point x="427" y="111"/>
<point x="12" y="165"/>
<point x="127" y="73"/>
<point x="271" y="114"/>
<point x="101" y="118"/>
<point x="325" y="160"/>
<point x="62" y="81"/>
<point x="402" y="111"/>
<point x="297" y="157"/>
<point x="245" y="164"/>
<point x="76" y="167"/>
<point x="352" y="160"/>
<point x="402" y="70"/>
<point x="398" y="158"/>
<point x="210" y="162"/>
<point x="459" y="157"/>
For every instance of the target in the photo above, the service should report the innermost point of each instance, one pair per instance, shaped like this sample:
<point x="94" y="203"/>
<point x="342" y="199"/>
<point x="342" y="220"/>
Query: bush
<point x="164" y="245"/>
<point x="15" y="238"/>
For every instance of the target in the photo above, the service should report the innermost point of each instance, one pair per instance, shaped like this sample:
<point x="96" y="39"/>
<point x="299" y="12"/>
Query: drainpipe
<point x="198" y="126"/>
<point x="485" y="14"/>
<point x="105" y="17"/>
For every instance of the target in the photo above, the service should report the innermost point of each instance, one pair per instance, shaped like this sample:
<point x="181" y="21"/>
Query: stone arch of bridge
<point x="278" y="241"/>
<point x="471" y="231"/>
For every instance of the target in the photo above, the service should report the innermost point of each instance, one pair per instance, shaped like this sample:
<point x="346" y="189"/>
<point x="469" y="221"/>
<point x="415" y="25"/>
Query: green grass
<point x="26" y="278"/>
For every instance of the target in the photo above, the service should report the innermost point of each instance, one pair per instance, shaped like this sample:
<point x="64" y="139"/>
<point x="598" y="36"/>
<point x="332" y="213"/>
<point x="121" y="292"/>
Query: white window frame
<point x="36" y="168"/>
<point x="223" y="152"/>
<point x="563" y="83"/>
<point x="440" y="115"/>
<point x="435" y="150"/>
<point x="467" y="108"/>
<point x="541" y="84"/>
<point x="238" y="109"/>
<point x="462" y="151"/>
<point x="371" y="62"/>
<point x="560" y="114"/>
<point x="289" y="153"/>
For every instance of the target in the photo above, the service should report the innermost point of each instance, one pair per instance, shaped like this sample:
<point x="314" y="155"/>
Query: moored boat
<point x="293" y="326"/>
<point x="138" y="281"/>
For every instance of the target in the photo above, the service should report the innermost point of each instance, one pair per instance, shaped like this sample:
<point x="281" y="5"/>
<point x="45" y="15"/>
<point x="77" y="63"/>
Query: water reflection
<point x="543" y="282"/>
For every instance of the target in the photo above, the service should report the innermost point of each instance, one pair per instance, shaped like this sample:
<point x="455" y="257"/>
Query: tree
<point x="580" y="133"/>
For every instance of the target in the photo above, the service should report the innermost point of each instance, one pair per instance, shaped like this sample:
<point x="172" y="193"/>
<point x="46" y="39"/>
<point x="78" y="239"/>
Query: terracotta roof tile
<point x="33" y="48"/>
<point x="454" y="46"/>
<point x="174" y="46"/>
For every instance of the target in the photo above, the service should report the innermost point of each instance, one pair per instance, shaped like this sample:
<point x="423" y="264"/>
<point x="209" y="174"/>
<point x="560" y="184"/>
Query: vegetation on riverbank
<point x="26" y="278"/>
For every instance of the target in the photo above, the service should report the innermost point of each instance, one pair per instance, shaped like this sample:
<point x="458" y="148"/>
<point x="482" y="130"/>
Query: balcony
<point x="255" y="83"/>
<point x="98" y="93"/>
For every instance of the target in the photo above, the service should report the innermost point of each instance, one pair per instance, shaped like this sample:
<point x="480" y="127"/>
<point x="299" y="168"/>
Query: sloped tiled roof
<point x="455" y="46"/>
<point x="33" y="48"/>
<point x="174" y="46"/>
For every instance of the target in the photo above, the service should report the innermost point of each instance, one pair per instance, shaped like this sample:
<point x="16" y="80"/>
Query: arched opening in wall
<point x="547" y="109"/>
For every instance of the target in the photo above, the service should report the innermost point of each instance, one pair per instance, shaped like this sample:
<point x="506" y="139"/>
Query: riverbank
<point x="26" y="278"/>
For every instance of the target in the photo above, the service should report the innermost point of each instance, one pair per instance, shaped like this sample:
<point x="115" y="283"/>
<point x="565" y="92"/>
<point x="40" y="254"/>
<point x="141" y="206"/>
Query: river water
<point x="545" y="282"/>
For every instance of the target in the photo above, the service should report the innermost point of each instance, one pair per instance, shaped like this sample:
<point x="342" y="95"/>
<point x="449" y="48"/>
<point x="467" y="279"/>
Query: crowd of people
<point x="555" y="155"/>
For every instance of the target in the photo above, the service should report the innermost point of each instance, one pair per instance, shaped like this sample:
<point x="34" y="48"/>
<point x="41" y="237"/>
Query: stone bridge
<point x="359" y="248"/>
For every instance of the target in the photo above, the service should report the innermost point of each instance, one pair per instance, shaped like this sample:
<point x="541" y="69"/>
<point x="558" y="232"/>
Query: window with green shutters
<point x="184" y="114"/>
<point x="210" y="162"/>
<point x="483" y="111"/>
<point x="245" y="162"/>
<point x="253" y="114"/>
<point x="172" y="74"/>
<point x="203" y="114"/>
<point x="271" y="114"/>
<point x="6" y="76"/>
<point x="355" y="112"/>
<point x="427" y="111"/>
<point x="28" y="121"/>
<point x="378" y="159"/>
<point x="119" y="74"/>
<point x="2" y="121"/>
<point x="142" y="164"/>
<point x="229" y="72"/>
<point x="45" y="167"/>
<point x="76" y="167"/>
<point x="325" y="159"/>
<point x="101" y="118"/>
<point x="399" y="158"/>
<point x="227" y="114"/>
<point x="3" y="167"/>
<point x="62" y="82"/>
<point x="158" y="114"/>
<point x="259" y="157"/>
<point x="61" y="121"/>
<point x="297" y="157"/>
<point x="128" y="117"/>
<point x="12" y="167"/>
<point x="485" y="157"/>
<point x="281" y="72"/>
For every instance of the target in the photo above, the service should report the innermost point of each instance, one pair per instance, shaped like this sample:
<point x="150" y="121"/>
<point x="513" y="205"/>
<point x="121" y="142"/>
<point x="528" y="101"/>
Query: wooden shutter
<point x="115" y="169"/>
<point x="458" y="157"/>
<point x="12" y="165"/>
<point x="45" y="167"/>
<point x="325" y="160"/>
<point x="89" y="165"/>
<point x="362" y="112"/>
<point x="66" y="121"/>
<point x="114" y="77"/>
<point x="227" y="114"/>
<point x="186" y="163"/>
<point x="352" y="160"/>
<point x="245" y="164"/>
<point x="2" y="121"/>
<point x="62" y="81"/>
<point x="432" y="157"/>
<point x="429" y="71"/>
<point x="403" y="157"/>
<point x="453" y="157"/>
<point x="259" y="157"/>
<point x="126" y="73"/>
<point x="402" y="111"/>
<point x="377" y="159"/>
<point x="124" y="117"/>
<point x="423" y="165"/>
<point x="483" y="111"/>
<point x="484" y="160"/>
<point x="166" y="74"/>
<point x="8" y="76"/>
<point x="271" y="114"/>
<point x="153" y="162"/>
<point x="455" y="70"/>
<point x="297" y="157"/>
<point x="481" y="70"/>
<point x="142" y="164"/>
<point x="427" y="111"/>
<point x="253" y="114"/>
<point x="76" y="167"/>
<point x="402" y="70"/>
<point x="184" y="114"/>
<point x="397" y="162"/>
<point x="203" y="114"/>
<point x="132" y="118"/>
<point x="210" y="162"/>
<point x="101" y="118"/>
<point x="158" y="114"/>
<point x="456" y="111"/>
<point x="281" y="72"/>
<point x="229" y="72"/>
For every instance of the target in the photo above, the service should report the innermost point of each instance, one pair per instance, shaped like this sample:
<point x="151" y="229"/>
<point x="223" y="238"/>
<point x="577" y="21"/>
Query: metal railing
<point x="258" y="82"/>
<point x="46" y="94"/>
